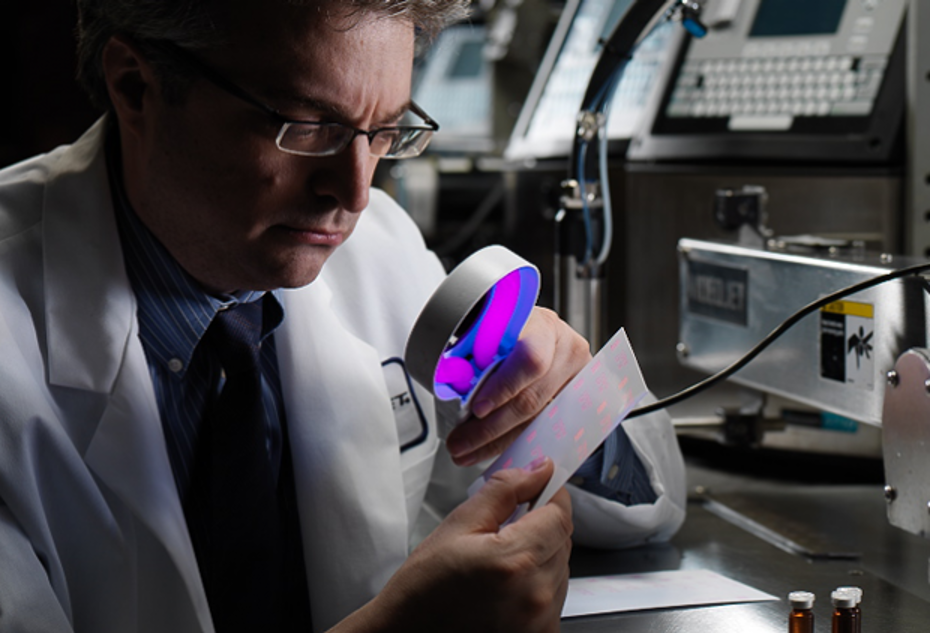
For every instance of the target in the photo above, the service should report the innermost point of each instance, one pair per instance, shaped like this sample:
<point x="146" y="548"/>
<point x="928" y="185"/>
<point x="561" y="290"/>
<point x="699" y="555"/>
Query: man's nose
<point x="350" y="179"/>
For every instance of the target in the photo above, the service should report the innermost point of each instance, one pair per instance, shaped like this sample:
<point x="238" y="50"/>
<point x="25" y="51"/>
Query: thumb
<point x="500" y="496"/>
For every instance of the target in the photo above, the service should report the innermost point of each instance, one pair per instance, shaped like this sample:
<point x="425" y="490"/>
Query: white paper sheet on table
<point x="580" y="417"/>
<point x="650" y="590"/>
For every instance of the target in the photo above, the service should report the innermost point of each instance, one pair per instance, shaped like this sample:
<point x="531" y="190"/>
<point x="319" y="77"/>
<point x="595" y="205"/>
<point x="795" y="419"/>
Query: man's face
<point x="233" y="209"/>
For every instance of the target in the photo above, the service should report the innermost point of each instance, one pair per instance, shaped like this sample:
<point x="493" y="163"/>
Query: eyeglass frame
<point x="225" y="84"/>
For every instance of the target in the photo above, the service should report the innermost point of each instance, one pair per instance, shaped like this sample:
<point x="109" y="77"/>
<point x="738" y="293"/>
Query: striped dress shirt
<point x="174" y="312"/>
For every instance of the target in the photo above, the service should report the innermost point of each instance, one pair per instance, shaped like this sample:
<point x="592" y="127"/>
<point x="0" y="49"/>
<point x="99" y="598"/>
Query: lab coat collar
<point x="88" y="312"/>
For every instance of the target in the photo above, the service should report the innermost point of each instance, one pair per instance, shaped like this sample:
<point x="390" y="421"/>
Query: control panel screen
<point x="548" y="123"/>
<point x="797" y="17"/>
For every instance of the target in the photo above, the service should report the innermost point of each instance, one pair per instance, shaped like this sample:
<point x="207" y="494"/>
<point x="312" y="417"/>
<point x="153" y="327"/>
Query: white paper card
<point x="646" y="591"/>
<point x="578" y="420"/>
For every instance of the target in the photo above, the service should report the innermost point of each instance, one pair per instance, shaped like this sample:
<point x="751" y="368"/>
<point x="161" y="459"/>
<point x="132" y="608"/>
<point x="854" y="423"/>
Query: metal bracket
<point x="589" y="123"/>
<point x="905" y="438"/>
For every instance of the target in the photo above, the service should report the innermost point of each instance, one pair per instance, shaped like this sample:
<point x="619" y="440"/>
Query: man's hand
<point x="547" y="356"/>
<point x="471" y="575"/>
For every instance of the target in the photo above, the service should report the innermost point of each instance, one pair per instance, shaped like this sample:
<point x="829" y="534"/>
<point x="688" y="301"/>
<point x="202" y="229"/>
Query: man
<point x="228" y="170"/>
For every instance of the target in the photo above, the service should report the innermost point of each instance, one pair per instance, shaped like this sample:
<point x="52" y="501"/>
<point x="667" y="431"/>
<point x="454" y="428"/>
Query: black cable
<point x="712" y="380"/>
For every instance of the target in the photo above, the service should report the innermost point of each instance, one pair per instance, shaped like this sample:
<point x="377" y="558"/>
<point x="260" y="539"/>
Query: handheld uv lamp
<point x="470" y="324"/>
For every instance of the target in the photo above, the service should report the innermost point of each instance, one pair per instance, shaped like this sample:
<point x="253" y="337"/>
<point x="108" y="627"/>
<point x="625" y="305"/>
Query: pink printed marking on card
<point x="583" y="451"/>
<point x="621" y="360"/>
<point x="585" y="401"/>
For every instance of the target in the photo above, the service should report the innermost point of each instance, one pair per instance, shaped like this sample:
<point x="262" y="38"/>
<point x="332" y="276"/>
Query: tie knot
<point x="235" y="336"/>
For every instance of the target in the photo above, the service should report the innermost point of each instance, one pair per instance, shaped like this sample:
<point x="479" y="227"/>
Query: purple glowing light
<point x="496" y="319"/>
<point x="466" y="362"/>
<point x="456" y="373"/>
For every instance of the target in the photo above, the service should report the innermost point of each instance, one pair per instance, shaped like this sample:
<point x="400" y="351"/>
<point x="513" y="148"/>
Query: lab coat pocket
<point x="417" y="440"/>
<point x="412" y="424"/>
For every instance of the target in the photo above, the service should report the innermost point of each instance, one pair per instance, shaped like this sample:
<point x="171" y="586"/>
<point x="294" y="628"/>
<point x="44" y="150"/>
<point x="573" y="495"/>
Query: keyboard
<point x="767" y="94"/>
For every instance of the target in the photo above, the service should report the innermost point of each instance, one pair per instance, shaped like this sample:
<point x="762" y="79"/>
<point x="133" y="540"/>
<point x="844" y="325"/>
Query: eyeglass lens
<point x="324" y="139"/>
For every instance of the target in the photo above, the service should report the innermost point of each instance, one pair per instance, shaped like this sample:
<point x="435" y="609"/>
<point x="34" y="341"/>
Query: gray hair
<point x="197" y="24"/>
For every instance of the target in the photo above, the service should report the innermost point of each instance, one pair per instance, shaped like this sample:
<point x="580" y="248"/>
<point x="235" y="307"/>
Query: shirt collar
<point x="173" y="309"/>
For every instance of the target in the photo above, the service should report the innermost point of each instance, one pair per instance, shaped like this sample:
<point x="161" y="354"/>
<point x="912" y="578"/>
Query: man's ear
<point x="130" y="81"/>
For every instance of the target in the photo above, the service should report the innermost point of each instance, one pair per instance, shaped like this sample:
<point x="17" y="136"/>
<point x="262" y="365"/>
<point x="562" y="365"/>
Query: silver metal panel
<point x="776" y="285"/>
<point x="666" y="203"/>
<point x="906" y="441"/>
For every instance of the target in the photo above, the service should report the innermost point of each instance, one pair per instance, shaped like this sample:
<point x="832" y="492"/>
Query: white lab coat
<point x="92" y="534"/>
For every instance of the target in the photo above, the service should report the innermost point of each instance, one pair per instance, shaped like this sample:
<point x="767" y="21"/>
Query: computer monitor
<point x="795" y="81"/>
<point x="546" y="126"/>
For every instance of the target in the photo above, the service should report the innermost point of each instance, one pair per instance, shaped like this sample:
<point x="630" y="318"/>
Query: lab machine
<point x="803" y="103"/>
<point x="775" y="161"/>
<point x="779" y="159"/>
<point x="785" y="81"/>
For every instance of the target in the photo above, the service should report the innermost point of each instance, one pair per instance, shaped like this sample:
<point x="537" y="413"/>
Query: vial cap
<point x="843" y="598"/>
<point x="856" y="592"/>
<point x="801" y="599"/>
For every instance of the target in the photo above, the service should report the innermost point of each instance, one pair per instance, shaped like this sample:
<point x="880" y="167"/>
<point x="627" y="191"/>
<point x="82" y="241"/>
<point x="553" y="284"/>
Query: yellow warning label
<point x="856" y="309"/>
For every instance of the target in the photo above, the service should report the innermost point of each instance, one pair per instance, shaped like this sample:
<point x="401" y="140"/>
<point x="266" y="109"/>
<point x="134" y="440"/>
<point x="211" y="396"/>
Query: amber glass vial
<point x="846" y="614"/>
<point x="801" y="617"/>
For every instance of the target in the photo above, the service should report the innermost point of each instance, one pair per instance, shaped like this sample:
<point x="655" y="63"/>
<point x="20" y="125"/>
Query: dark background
<point x="42" y="105"/>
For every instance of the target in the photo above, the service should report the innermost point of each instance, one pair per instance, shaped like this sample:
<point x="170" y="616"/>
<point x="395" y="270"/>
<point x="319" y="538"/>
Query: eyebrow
<point x="334" y="110"/>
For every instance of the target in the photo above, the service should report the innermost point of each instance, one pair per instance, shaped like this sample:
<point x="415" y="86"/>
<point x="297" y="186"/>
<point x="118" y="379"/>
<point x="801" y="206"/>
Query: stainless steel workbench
<point x="840" y="531"/>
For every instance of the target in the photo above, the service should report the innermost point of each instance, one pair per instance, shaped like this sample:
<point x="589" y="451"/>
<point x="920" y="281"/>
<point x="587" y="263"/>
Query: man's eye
<point x="305" y="131"/>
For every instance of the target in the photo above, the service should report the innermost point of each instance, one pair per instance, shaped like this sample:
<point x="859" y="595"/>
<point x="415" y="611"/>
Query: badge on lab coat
<point x="412" y="428"/>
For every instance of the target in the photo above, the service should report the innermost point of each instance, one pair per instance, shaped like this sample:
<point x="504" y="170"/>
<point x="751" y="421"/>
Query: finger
<point x="544" y="532"/>
<point x="500" y="496"/>
<point x="494" y="433"/>
<point x="544" y="361"/>
<point x="530" y="359"/>
<point x="562" y="498"/>
<point x="476" y="440"/>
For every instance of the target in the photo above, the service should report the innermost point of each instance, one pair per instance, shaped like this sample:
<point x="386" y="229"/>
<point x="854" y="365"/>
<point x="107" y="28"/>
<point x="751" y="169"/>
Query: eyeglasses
<point x="319" y="138"/>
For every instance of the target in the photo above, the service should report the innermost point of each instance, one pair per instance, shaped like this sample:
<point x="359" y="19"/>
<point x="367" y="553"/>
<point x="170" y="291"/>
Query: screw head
<point x="893" y="378"/>
<point x="682" y="349"/>
<point x="891" y="493"/>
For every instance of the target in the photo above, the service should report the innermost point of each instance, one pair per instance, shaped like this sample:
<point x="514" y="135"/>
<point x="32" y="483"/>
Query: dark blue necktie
<point x="242" y="511"/>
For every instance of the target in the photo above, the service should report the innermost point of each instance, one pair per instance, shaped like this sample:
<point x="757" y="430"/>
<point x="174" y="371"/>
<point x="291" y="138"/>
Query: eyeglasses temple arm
<point x="215" y="78"/>
<point x="417" y="110"/>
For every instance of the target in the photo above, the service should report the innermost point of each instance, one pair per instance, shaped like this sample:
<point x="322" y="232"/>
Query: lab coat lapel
<point x="93" y="345"/>
<point x="128" y="453"/>
<point x="346" y="456"/>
